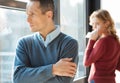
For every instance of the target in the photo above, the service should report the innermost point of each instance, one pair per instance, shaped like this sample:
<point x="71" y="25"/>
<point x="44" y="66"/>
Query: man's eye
<point x="32" y="14"/>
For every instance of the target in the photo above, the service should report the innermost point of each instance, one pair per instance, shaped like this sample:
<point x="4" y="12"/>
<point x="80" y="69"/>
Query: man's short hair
<point x="46" y="5"/>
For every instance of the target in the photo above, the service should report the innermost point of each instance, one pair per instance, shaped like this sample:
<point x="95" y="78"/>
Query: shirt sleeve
<point x="118" y="65"/>
<point x="23" y="73"/>
<point x="93" y="51"/>
<point x="69" y="50"/>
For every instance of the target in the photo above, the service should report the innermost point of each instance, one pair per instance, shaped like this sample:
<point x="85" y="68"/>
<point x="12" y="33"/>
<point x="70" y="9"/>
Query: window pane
<point x="116" y="17"/>
<point x="13" y="25"/>
<point x="112" y="9"/>
<point x="72" y="23"/>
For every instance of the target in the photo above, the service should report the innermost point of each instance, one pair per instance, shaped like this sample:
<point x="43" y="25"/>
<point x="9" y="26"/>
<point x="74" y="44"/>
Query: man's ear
<point x="49" y="14"/>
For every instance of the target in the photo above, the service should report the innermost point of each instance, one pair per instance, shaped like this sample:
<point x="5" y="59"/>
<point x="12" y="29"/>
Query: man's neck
<point x="47" y="31"/>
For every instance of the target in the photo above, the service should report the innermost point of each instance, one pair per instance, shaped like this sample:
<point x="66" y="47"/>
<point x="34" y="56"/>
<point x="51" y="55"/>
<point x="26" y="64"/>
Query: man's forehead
<point x="33" y="5"/>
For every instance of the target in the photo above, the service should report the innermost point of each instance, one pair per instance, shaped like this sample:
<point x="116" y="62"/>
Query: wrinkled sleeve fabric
<point x="118" y="65"/>
<point x="23" y="73"/>
<point x="69" y="50"/>
<point x="93" y="51"/>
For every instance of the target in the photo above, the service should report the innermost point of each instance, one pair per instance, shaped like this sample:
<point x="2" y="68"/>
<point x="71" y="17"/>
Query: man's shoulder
<point x="67" y="37"/>
<point x="27" y="38"/>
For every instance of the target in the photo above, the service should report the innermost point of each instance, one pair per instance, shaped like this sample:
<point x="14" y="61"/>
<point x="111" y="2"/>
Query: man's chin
<point x="33" y="30"/>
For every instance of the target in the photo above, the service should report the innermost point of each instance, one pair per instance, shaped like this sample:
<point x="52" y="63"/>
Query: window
<point x="13" y="25"/>
<point x="115" y="14"/>
<point x="72" y="23"/>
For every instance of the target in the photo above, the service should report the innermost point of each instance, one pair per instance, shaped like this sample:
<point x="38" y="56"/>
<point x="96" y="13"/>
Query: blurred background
<point x="71" y="15"/>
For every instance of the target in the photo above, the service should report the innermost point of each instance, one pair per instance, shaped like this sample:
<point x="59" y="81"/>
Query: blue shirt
<point x="33" y="60"/>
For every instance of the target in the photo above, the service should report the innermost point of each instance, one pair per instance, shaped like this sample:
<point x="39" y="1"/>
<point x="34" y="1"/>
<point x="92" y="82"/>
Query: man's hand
<point x="64" y="67"/>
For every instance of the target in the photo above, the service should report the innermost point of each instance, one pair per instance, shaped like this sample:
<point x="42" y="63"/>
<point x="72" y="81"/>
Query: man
<point x="48" y="56"/>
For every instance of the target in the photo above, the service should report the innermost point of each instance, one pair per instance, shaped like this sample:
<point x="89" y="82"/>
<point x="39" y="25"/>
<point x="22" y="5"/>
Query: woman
<point x="103" y="49"/>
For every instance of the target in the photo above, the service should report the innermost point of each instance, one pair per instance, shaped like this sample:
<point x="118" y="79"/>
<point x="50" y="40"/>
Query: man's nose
<point x="29" y="19"/>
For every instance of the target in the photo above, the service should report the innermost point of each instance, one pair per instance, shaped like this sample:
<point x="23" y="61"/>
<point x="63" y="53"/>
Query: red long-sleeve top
<point x="103" y="56"/>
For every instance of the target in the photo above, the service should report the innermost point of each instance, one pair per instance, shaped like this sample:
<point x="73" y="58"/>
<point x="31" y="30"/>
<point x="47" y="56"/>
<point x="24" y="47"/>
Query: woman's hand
<point x="94" y="35"/>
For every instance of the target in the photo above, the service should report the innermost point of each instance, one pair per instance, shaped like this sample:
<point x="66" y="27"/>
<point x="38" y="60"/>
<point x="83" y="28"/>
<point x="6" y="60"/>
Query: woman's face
<point x="99" y="25"/>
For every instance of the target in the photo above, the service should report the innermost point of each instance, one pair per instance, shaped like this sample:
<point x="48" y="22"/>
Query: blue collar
<point x="51" y="36"/>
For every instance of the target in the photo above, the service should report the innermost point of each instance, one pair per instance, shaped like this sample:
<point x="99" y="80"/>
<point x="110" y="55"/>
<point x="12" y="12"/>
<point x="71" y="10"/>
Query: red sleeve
<point x="118" y="65"/>
<point x="93" y="51"/>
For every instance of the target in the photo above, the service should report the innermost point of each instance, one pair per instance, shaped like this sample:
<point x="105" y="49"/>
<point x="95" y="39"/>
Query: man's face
<point x="36" y="19"/>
